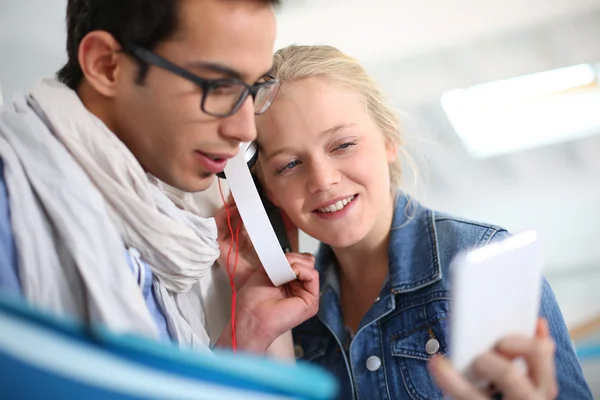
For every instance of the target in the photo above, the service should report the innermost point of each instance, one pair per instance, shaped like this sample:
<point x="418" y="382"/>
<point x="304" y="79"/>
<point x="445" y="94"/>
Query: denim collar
<point x="414" y="260"/>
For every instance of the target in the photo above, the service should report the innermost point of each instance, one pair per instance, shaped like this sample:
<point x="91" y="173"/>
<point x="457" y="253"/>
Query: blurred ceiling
<point x="383" y="30"/>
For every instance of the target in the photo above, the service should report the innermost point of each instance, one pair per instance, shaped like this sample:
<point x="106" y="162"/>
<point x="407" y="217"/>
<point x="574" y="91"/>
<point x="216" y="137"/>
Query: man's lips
<point x="213" y="162"/>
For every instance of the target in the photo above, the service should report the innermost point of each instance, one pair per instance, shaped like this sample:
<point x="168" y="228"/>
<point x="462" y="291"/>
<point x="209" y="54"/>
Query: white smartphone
<point x="495" y="292"/>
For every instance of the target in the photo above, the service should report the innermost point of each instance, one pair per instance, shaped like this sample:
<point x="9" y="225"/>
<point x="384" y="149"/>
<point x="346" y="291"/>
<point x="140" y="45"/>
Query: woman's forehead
<point x="310" y="107"/>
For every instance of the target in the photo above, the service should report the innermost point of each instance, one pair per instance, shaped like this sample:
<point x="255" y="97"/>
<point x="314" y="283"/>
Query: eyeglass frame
<point x="151" y="58"/>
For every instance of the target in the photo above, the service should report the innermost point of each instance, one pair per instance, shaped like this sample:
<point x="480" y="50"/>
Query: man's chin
<point x="199" y="184"/>
<point x="192" y="183"/>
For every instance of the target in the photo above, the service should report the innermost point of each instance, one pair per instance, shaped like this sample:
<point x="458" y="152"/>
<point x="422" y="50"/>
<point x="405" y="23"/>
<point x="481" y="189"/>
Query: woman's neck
<point x="360" y="259"/>
<point x="363" y="269"/>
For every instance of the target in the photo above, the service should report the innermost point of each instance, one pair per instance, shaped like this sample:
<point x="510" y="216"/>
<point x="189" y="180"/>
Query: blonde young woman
<point x="329" y="149"/>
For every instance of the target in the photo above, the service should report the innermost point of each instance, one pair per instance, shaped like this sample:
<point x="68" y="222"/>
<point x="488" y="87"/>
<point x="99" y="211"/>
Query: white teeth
<point x="336" y="206"/>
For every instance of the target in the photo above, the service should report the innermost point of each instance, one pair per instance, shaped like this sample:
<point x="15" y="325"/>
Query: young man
<point x="153" y="90"/>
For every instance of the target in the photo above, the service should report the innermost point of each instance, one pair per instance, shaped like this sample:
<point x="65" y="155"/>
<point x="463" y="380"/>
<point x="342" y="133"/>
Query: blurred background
<point x="500" y="99"/>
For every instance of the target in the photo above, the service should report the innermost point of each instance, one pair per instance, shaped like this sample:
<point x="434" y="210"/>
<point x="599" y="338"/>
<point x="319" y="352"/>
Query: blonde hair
<point x="295" y="62"/>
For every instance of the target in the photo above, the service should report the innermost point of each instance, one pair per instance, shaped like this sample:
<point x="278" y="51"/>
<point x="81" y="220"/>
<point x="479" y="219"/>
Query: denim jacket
<point x="408" y="323"/>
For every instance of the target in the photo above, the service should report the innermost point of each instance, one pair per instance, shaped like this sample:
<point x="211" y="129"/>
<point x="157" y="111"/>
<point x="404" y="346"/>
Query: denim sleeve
<point x="9" y="274"/>
<point x="571" y="383"/>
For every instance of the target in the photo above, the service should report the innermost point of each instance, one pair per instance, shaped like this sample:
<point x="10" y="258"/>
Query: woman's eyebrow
<point x="279" y="151"/>
<point x="328" y="131"/>
<point x="337" y="128"/>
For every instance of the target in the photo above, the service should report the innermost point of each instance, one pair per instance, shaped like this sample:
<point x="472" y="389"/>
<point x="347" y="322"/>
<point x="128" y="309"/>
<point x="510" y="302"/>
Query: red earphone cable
<point x="231" y="271"/>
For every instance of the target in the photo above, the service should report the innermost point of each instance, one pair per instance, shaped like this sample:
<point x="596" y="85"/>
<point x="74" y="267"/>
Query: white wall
<point x="32" y="42"/>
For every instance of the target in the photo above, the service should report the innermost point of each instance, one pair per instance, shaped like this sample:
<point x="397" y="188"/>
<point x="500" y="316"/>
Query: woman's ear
<point x="391" y="150"/>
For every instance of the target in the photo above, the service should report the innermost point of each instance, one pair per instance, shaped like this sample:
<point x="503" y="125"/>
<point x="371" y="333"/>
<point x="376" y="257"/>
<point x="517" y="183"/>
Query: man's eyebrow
<point x="221" y="69"/>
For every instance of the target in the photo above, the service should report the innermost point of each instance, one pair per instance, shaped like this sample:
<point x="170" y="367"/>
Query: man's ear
<point x="101" y="60"/>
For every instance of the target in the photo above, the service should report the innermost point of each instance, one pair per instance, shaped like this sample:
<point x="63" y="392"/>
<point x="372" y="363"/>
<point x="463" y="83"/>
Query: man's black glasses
<point x="220" y="97"/>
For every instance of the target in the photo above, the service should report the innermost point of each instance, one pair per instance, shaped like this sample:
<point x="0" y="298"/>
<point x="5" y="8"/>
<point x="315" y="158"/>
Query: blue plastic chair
<point x="44" y="357"/>
<point x="588" y="351"/>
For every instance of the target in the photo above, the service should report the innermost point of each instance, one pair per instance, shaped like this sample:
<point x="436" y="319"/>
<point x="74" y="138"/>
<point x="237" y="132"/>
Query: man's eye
<point x="224" y="90"/>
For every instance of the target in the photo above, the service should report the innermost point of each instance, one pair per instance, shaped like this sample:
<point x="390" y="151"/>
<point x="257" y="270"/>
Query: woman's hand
<point x="497" y="367"/>
<point x="248" y="261"/>
<point x="265" y="312"/>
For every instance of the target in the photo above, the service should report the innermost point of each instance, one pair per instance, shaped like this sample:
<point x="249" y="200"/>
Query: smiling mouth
<point x="337" y="206"/>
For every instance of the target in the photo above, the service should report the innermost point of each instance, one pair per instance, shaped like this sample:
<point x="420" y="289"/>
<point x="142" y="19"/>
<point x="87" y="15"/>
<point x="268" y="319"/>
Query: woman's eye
<point x="288" y="166"/>
<point x="346" y="145"/>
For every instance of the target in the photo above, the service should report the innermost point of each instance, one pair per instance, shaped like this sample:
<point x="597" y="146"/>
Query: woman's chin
<point x="338" y="239"/>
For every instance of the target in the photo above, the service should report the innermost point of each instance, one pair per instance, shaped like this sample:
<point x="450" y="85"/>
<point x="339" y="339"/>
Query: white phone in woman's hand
<point x="496" y="291"/>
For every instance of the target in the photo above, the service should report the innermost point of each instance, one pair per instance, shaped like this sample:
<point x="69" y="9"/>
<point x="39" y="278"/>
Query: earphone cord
<point x="231" y="270"/>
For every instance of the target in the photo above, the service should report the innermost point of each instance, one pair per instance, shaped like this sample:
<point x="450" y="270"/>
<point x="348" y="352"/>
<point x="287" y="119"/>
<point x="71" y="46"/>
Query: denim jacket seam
<point x="422" y="300"/>
<point x="403" y="334"/>
<point x="347" y="362"/>
<point x="375" y="321"/>
<point x="492" y="234"/>
<point x="441" y="218"/>
<point x="434" y="244"/>
<point x="436" y="273"/>
<point x="385" y="375"/>
<point x="409" y="388"/>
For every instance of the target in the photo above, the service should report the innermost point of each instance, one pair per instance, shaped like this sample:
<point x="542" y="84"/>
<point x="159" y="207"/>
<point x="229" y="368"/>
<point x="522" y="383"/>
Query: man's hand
<point x="264" y="312"/>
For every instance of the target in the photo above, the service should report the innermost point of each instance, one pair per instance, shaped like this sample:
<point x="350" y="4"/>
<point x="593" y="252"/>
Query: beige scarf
<point x="178" y="245"/>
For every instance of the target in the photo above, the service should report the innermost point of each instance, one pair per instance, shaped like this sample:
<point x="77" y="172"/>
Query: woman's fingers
<point x="508" y="376"/>
<point x="308" y="282"/>
<point x="451" y="382"/>
<point x="538" y="354"/>
<point x="303" y="259"/>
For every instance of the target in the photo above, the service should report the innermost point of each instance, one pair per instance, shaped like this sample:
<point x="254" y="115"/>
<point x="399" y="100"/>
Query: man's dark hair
<point x="139" y="22"/>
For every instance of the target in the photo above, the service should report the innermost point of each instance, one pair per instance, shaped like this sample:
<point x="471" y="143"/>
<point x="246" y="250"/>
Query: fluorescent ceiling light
<point x="526" y="112"/>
